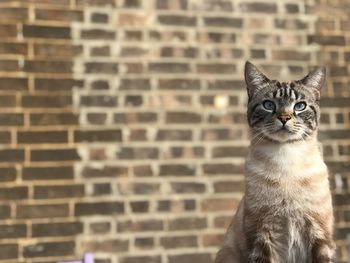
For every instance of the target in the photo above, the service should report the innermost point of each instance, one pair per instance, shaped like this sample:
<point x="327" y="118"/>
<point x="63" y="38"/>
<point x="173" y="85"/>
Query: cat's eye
<point x="300" y="106"/>
<point x="269" y="105"/>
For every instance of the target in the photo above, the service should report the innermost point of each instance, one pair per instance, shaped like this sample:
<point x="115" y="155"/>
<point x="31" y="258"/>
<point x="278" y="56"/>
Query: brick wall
<point x="113" y="139"/>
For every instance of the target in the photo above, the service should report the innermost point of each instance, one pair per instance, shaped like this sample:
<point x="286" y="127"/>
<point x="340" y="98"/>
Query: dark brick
<point x="174" y="135"/>
<point x="105" y="172"/>
<point x="135" y="117"/>
<point x="229" y="151"/>
<point x="57" y="50"/>
<point x="42" y="211"/>
<point x="8" y="30"/>
<point x="98" y="208"/>
<point x="9" y="65"/>
<point x="293" y="24"/>
<point x="142" y="170"/>
<point x="221" y="134"/>
<point x="99" y="18"/>
<point x="8" y="174"/>
<point x="229" y="186"/>
<point x="133" y="101"/>
<point x="12" y="155"/>
<point x="338" y="71"/>
<point x="13" y="231"/>
<point x="216" y="68"/>
<point x="292" y="8"/>
<point x="98" y="101"/>
<point x="8" y="101"/>
<point x="258" y="53"/>
<point x="96" y="118"/>
<point x="187" y="152"/>
<point x="5" y="138"/>
<point x="107" y="245"/>
<point x="57" y="84"/>
<point x="51" y="32"/>
<point x="58" y="191"/>
<point x="98" y="136"/>
<point x="334" y="134"/>
<point x="139" y="188"/>
<point x="54" y="155"/>
<point x="14" y="14"/>
<point x="171" y="242"/>
<point x="57" y="229"/>
<point x="49" y="249"/>
<point x="102" y="189"/>
<point x="90" y="34"/>
<point x="14" y="193"/>
<point x="46" y="66"/>
<point x="135" y="84"/>
<point x="177" y="20"/>
<point x="188" y="187"/>
<point x="132" y="3"/>
<point x="11" y="119"/>
<point x="140" y="153"/>
<point x="59" y="15"/>
<point x="144" y="243"/>
<point x="103" y="51"/>
<point x="327" y="40"/>
<point x="258" y="7"/>
<point x="183" y="117"/>
<point x="179" y="84"/>
<point x="144" y="225"/>
<point x="139" y="206"/>
<point x="222" y="168"/>
<point x="35" y="137"/>
<point x="169" y="67"/>
<point x="100" y="227"/>
<point x="226" y="84"/>
<point x="8" y="251"/>
<point x="187" y="223"/>
<point x="102" y="3"/>
<point x="190" y="258"/>
<point x="53" y="119"/>
<point x="5" y="211"/>
<point x="48" y="173"/>
<point x="177" y="170"/>
<point x="139" y="259"/>
<point x="336" y="102"/>
<point x="223" y="22"/>
<point x="13" y="48"/>
<point x="101" y="67"/>
<point x="286" y="55"/>
<point x="100" y="85"/>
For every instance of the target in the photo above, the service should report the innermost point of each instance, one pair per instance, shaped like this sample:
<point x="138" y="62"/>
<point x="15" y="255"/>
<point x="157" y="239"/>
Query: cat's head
<point x="283" y="111"/>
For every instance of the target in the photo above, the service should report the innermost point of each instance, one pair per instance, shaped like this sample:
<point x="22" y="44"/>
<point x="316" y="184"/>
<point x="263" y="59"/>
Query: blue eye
<point x="300" y="106"/>
<point x="269" y="105"/>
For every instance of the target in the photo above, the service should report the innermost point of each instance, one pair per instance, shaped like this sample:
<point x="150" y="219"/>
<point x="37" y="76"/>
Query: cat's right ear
<point x="254" y="78"/>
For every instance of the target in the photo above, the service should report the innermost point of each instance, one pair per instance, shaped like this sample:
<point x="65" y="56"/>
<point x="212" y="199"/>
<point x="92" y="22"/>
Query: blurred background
<point x="123" y="122"/>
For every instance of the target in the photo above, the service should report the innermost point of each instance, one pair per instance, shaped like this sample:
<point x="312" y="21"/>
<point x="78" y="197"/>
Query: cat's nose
<point x="284" y="118"/>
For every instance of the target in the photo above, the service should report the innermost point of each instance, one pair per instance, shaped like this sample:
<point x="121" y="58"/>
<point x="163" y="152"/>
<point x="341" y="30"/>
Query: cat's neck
<point x="288" y="153"/>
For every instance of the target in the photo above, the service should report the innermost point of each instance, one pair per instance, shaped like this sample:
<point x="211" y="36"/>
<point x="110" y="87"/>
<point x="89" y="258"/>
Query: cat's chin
<point x="284" y="136"/>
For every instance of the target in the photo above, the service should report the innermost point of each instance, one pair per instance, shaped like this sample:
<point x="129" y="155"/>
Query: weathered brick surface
<point x="113" y="137"/>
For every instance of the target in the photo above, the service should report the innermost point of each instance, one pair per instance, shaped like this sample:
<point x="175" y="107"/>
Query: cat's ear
<point x="254" y="78"/>
<point x="315" y="79"/>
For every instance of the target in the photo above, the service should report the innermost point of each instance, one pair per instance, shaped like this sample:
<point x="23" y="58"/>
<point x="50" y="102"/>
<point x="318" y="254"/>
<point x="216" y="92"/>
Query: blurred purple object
<point x="88" y="258"/>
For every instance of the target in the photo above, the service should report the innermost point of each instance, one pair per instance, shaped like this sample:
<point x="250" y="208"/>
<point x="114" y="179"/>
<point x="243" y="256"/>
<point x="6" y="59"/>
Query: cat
<point x="286" y="214"/>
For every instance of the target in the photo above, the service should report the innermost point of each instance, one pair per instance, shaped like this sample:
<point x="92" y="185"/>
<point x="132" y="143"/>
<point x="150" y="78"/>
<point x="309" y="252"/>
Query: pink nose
<point x="284" y="118"/>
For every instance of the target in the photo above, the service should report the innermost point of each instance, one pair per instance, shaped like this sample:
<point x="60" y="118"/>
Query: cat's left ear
<point x="254" y="78"/>
<point x="315" y="79"/>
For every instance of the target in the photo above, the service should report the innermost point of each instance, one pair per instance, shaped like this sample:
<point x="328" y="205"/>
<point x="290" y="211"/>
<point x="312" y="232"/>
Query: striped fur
<point x="286" y="214"/>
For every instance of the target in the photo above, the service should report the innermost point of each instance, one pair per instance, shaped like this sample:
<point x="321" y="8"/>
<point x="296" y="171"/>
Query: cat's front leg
<point x="323" y="251"/>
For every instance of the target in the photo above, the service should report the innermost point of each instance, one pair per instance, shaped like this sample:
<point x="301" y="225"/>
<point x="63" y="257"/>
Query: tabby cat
<point x="286" y="214"/>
